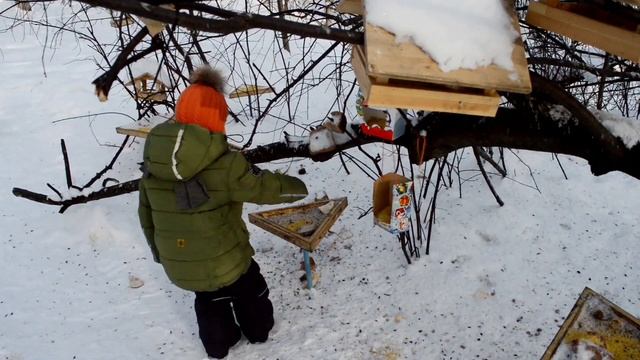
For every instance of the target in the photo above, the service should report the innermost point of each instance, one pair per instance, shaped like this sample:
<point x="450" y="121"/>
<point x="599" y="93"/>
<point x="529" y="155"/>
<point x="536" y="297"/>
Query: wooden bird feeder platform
<point x="304" y="225"/>
<point x="135" y="131"/>
<point x="611" y="26"/>
<point x="249" y="90"/>
<point x="598" y="327"/>
<point x="401" y="75"/>
<point x="149" y="87"/>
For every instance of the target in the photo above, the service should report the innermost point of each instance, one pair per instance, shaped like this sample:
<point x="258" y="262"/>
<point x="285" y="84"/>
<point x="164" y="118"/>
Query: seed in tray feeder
<point x="298" y="226"/>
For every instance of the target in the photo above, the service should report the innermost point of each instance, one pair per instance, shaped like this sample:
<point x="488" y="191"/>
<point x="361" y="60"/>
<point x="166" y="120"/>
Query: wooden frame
<point x="617" y="40"/>
<point x="137" y="131"/>
<point x="584" y="298"/>
<point x="387" y="58"/>
<point x="351" y="7"/>
<point x="249" y="90"/>
<point x="392" y="93"/>
<point x="308" y="243"/>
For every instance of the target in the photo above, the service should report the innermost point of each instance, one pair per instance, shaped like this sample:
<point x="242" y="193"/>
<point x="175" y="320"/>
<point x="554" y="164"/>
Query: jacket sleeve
<point x="247" y="183"/>
<point x="146" y="221"/>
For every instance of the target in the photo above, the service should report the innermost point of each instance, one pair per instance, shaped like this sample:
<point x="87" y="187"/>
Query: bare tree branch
<point x="233" y="21"/>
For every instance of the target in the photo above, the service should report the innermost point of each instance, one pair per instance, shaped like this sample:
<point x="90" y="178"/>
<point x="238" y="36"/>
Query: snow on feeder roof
<point x="427" y="54"/>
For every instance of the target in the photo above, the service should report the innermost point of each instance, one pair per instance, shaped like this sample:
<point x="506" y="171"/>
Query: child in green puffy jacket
<point x="191" y="213"/>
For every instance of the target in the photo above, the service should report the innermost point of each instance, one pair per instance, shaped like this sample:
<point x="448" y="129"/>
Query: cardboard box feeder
<point x="392" y="203"/>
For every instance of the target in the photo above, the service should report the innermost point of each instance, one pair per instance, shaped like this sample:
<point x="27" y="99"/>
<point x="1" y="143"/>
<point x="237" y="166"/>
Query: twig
<point x="67" y="167"/>
<point x="486" y="157"/>
<point x="476" y="152"/>
<point x="561" y="167"/>
<point x="108" y="167"/>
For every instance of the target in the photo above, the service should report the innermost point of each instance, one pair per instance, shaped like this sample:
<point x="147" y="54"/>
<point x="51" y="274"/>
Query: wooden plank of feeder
<point x="137" y="131"/>
<point x="351" y="7"/>
<point x="412" y="95"/>
<point x="406" y="61"/>
<point x="615" y="40"/>
<point x="310" y="243"/>
<point x="585" y="297"/>
<point x="249" y="90"/>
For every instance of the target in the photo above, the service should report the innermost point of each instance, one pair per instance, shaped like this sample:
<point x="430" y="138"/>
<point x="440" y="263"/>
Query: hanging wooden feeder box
<point x="611" y="26"/>
<point x="149" y="88"/>
<point x="401" y="75"/>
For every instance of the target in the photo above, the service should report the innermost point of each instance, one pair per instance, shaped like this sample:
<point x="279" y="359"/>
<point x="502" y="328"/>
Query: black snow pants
<point x="248" y="299"/>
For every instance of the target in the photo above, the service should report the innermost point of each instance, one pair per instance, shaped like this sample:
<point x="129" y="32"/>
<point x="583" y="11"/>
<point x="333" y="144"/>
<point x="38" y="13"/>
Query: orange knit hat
<point x="203" y="103"/>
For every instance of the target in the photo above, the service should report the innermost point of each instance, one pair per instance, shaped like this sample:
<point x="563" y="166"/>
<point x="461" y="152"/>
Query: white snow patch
<point x="457" y="34"/>
<point x="625" y="128"/>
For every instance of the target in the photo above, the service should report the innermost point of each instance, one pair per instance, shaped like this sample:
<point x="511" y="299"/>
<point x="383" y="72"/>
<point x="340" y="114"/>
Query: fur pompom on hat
<point x="203" y="103"/>
<point x="206" y="75"/>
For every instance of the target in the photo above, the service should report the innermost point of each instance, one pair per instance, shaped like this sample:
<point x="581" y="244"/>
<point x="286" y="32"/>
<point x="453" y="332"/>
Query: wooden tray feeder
<point x="401" y="75"/>
<point x="149" y="88"/>
<point x="304" y="225"/>
<point x="611" y="26"/>
<point x="598" y="327"/>
<point x="249" y="90"/>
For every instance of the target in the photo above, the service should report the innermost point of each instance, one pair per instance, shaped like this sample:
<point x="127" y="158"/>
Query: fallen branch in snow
<point x="257" y="155"/>
<point x="107" y="192"/>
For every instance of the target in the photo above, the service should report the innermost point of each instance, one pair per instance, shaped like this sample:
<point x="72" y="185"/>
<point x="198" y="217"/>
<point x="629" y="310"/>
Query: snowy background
<point x="497" y="285"/>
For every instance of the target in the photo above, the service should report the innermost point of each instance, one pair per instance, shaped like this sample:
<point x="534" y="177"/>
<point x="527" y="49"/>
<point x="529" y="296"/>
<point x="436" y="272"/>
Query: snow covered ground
<point x="497" y="284"/>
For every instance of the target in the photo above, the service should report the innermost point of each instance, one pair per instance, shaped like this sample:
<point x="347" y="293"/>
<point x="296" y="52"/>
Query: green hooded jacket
<point x="191" y="204"/>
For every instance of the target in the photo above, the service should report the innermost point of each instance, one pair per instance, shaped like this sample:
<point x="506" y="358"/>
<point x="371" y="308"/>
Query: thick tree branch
<point x="531" y="125"/>
<point x="104" y="82"/>
<point x="233" y="21"/>
<point x="535" y="125"/>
